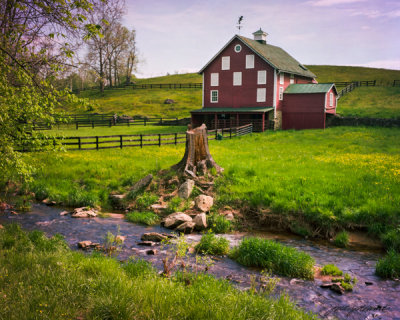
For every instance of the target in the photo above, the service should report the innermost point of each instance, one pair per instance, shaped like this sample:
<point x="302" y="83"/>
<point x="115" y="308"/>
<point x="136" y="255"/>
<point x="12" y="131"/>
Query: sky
<point x="180" y="36"/>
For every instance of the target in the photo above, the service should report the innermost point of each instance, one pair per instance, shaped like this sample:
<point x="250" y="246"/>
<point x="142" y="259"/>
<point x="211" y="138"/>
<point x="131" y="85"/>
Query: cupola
<point x="260" y="36"/>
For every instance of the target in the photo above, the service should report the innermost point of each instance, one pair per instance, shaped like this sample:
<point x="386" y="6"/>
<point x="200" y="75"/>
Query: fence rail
<point x="168" y="86"/>
<point x="139" y="140"/>
<point x="355" y="84"/>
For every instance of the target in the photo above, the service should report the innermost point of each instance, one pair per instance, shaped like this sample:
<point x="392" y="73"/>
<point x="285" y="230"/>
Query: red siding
<point x="297" y="79"/>
<point x="330" y="109"/>
<point x="238" y="96"/>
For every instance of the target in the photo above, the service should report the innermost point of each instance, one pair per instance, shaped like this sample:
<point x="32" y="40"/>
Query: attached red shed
<point x="305" y="105"/>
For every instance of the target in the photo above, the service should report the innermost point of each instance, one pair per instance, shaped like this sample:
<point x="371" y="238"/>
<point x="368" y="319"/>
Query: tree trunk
<point x="197" y="158"/>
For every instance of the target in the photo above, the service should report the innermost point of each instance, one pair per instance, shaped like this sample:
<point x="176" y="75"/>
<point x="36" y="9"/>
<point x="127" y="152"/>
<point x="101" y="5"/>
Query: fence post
<point x="141" y="141"/>
<point x="92" y="124"/>
<point x="144" y="120"/>
<point x="160" y="120"/>
<point x="79" y="143"/>
<point x="176" y="138"/>
<point x="159" y="139"/>
<point x="120" y="141"/>
<point x="110" y="123"/>
<point x="97" y="143"/>
<point x="77" y="125"/>
<point x="230" y="132"/>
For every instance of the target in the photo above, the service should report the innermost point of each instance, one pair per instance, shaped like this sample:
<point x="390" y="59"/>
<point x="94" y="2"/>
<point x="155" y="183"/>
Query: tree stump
<point x="197" y="158"/>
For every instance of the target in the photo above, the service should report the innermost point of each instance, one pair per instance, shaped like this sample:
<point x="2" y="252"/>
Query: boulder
<point x="151" y="251"/>
<point x="153" y="236"/>
<point x="200" y="221"/>
<point x="175" y="219"/>
<point x="120" y="239"/>
<point x="186" y="188"/>
<point x="117" y="201"/>
<point x="230" y="217"/>
<point x="142" y="183"/>
<point x="158" y="208"/>
<point x="337" y="288"/>
<point x="48" y="202"/>
<point x="87" y="245"/>
<point x="84" y="212"/>
<point x="64" y="213"/>
<point x="204" y="203"/>
<point x="326" y="285"/>
<point x="186" y="227"/>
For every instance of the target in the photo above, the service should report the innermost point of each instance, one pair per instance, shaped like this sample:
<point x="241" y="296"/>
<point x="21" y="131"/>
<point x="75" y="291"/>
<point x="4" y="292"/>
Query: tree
<point x="35" y="40"/>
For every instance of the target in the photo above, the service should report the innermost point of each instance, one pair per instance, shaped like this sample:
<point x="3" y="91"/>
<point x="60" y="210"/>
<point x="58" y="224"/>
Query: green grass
<point x="41" y="278"/>
<point x="331" y="270"/>
<point x="389" y="266"/>
<point x="341" y="240"/>
<point x="329" y="179"/>
<point x="271" y="255"/>
<point x="144" y="217"/>
<point x="211" y="244"/>
<point x="219" y="224"/>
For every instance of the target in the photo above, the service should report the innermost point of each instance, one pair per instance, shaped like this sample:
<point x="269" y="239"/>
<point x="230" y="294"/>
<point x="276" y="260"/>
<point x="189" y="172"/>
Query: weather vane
<point x="239" y="26"/>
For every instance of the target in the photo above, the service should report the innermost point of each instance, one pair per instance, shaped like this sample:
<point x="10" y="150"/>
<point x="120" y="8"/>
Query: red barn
<point x="245" y="83"/>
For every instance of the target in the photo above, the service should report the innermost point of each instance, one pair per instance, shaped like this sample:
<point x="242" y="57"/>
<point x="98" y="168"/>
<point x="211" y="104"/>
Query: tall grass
<point x="271" y="255"/>
<point x="43" y="279"/>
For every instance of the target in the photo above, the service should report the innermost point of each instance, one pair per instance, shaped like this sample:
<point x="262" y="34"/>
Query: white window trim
<point x="264" y="94"/>
<point x="263" y="78"/>
<point x="237" y="78"/>
<point x="280" y="93"/>
<point x="239" y="48"/>
<point x="281" y="78"/>
<point x="249" y="61"/>
<point x="211" y="96"/>
<point x="331" y="99"/>
<point x="214" y="79"/>
<point x="227" y="64"/>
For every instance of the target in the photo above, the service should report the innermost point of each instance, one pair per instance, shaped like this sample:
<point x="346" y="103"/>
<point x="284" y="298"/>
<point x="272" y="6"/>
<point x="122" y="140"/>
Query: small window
<point x="292" y="78"/>
<point x="331" y="99"/>
<point x="226" y="63"/>
<point x="261" y="94"/>
<point x="262" y="77"/>
<point x="214" y="96"/>
<point x="237" y="78"/>
<point x="280" y="93"/>
<point x="249" y="61"/>
<point x="214" y="79"/>
<point x="238" y="48"/>
<point x="282" y="78"/>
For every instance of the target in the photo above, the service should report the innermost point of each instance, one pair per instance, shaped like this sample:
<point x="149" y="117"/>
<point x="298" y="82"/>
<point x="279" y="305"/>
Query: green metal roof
<point x="278" y="57"/>
<point x="233" y="110"/>
<point x="310" y="88"/>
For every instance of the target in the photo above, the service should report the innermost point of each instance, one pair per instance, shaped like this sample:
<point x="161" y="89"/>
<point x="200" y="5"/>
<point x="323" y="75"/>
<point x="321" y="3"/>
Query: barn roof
<point x="273" y="55"/>
<point x="310" y="88"/>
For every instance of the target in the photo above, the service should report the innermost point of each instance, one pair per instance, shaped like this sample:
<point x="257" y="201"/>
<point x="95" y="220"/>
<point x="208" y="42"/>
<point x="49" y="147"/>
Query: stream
<point x="379" y="300"/>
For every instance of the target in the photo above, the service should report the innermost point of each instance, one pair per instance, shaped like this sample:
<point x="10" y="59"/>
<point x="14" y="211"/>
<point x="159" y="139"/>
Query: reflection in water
<point x="378" y="301"/>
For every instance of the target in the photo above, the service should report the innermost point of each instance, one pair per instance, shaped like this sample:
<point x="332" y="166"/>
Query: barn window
<point x="214" y="79"/>
<point x="238" y="48"/>
<point x="331" y="99"/>
<point x="280" y="93"/>
<point x="237" y="78"/>
<point x="249" y="61"/>
<point x="261" y="94"/>
<point x="214" y="96"/>
<point x="292" y="78"/>
<point x="262" y="77"/>
<point x="226" y="63"/>
<point x="282" y="78"/>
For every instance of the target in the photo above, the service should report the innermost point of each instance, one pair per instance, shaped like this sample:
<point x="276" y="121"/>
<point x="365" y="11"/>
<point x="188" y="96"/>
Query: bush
<point x="331" y="270"/>
<point x="341" y="240"/>
<point x="145" y="200"/>
<point x="219" y="224"/>
<point x="146" y="217"/>
<point x="174" y="205"/>
<point x="389" y="266"/>
<point x="391" y="239"/>
<point x="210" y="244"/>
<point x="286" y="261"/>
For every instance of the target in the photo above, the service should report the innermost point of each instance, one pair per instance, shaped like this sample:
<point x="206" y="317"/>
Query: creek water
<point x="379" y="300"/>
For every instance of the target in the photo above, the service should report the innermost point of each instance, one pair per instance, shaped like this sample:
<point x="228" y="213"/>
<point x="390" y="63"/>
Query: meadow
<point x="327" y="180"/>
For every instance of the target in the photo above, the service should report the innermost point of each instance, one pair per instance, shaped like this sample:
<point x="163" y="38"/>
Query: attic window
<point x="249" y="61"/>
<point x="238" y="48"/>
<point x="303" y="67"/>
<point x="226" y="63"/>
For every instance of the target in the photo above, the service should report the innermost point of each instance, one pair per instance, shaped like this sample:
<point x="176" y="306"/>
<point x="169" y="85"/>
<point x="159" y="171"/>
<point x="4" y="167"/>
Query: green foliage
<point x="145" y="200"/>
<point x="112" y="243"/>
<point x="391" y="239"/>
<point x="144" y="217"/>
<point x="213" y="245"/>
<point x="174" y="205"/>
<point x="341" y="240"/>
<point x="332" y="270"/>
<point x="389" y="266"/>
<point x="219" y="224"/>
<point x="347" y="286"/>
<point x="136" y="267"/>
<point x="273" y="256"/>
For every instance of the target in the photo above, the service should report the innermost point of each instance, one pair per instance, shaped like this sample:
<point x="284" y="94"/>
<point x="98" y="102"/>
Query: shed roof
<point x="309" y="88"/>
<point x="273" y="55"/>
<point x="233" y="110"/>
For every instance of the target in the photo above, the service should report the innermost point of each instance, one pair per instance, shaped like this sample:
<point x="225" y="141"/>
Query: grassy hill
<point x="381" y="101"/>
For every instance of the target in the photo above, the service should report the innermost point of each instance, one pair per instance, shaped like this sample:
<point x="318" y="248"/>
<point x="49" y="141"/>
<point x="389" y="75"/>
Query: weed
<point x="219" y="224"/>
<point x="341" y="240"/>
<point x="145" y="217"/>
<point x="391" y="239"/>
<point x="347" y="286"/>
<point x="145" y="200"/>
<point x="211" y="244"/>
<point x="331" y="270"/>
<point x="389" y="266"/>
<point x="174" y="205"/>
<point x="112" y="243"/>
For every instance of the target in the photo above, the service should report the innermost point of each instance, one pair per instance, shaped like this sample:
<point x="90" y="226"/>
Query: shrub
<point x="274" y="256"/>
<point x="341" y="240"/>
<point x="332" y="270"/>
<point x="389" y="266"/>
<point x="146" y="217"/>
<point x="391" y="239"/>
<point x="174" y="205"/>
<point x="145" y="200"/>
<point x="210" y="244"/>
<point x="219" y="224"/>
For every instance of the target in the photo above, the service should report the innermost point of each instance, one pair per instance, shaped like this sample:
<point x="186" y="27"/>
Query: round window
<point x="238" y="48"/>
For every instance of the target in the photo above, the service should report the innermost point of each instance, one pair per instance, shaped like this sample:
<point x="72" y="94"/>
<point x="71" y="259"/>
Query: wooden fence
<point x="355" y="84"/>
<point x="168" y="86"/>
<point x="396" y="83"/>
